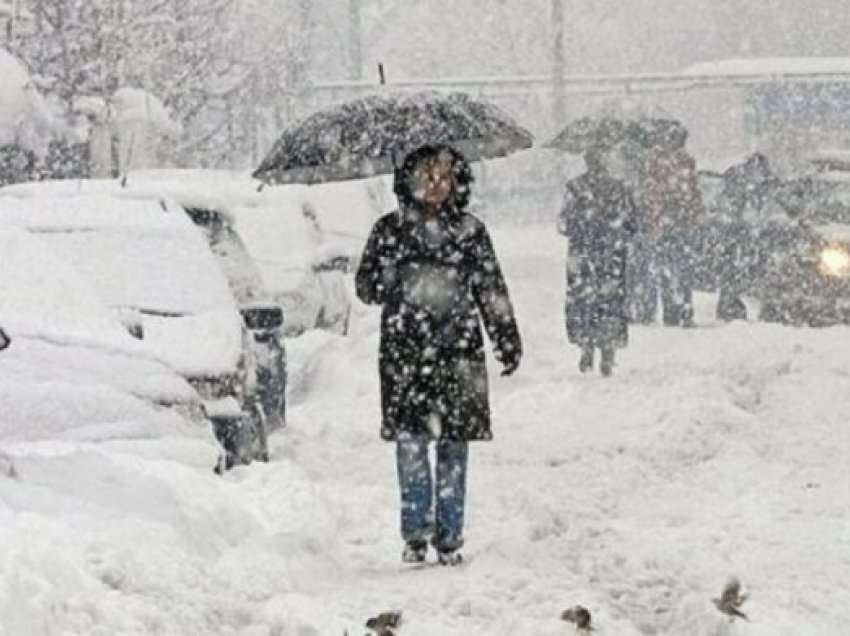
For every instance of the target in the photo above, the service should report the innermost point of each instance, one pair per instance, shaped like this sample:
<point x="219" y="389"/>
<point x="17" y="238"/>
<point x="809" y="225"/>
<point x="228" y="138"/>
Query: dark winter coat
<point x="599" y="218"/>
<point x="434" y="279"/>
<point x="672" y="200"/>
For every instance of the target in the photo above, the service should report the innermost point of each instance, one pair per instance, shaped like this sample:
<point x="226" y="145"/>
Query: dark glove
<point x="510" y="364"/>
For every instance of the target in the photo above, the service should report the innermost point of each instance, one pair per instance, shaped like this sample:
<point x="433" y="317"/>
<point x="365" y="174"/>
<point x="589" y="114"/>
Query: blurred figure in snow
<point x="746" y="195"/>
<point x="432" y="267"/>
<point x="598" y="218"/>
<point x="671" y="207"/>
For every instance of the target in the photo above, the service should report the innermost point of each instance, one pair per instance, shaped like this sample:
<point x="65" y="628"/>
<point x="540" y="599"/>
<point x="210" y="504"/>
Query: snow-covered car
<point x="271" y="237"/>
<point x="152" y="267"/>
<point x="69" y="367"/>
<point x="298" y="254"/>
<point x="262" y="313"/>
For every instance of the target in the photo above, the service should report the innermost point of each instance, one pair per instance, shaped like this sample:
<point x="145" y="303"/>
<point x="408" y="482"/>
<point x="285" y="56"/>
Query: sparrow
<point x="384" y="623"/>
<point x="7" y="467"/>
<point x="731" y="600"/>
<point x="578" y="615"/>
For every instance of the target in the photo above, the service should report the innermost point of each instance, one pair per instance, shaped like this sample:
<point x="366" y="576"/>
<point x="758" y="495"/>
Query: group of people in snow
<point x="433" y="269"/>
<point x="627" y="220"/>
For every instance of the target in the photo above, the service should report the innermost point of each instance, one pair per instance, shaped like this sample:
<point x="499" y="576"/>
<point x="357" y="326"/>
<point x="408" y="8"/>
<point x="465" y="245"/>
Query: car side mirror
<point x="263" y="317"/>
<point x="5" y="340"/>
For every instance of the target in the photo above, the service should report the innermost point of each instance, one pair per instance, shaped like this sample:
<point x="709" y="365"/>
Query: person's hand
<point x="510" y="365"/>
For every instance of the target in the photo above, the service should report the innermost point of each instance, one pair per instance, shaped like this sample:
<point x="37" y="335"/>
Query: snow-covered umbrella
<point x="367" y="137"/>
<point x="589" y="133"/>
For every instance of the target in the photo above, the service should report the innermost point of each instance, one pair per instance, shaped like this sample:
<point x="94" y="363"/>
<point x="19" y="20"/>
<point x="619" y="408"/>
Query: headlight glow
<point x="835" y="261"/>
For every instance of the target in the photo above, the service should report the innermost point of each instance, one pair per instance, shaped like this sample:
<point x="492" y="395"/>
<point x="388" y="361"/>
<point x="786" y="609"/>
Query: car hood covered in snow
<point x="71" y="366"/>
<point x="143" y="257"/>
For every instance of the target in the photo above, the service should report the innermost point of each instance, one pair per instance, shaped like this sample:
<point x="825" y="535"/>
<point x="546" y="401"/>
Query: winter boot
<point x="606" y="366"/>
<point x="449" y="557"/>
<point x="585" y="363"/>
<point x="414" y="552"/>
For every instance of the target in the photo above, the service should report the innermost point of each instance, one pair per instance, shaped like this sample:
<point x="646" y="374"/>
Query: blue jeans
<point x="418" y="494"/>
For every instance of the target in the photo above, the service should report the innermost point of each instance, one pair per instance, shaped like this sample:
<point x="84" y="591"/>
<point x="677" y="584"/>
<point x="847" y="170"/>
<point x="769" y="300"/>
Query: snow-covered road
<point x="714" y="451"/>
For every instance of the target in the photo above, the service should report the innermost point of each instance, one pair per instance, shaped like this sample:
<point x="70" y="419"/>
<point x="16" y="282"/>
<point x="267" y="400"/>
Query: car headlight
<point x="835" y="261"/>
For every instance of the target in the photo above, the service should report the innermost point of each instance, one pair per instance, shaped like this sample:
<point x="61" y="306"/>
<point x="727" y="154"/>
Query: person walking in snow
<point x="433" y="269"/>
<point x="598" y="217"/>
<point x="747" y="195"/>
<point x="671" y="202"/>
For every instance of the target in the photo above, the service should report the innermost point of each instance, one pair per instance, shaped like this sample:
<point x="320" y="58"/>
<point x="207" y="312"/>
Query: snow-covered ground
<point x="715" y="451"/>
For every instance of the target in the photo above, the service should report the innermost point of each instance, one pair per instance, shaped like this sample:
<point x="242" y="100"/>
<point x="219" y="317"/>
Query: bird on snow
<point x="578" y="615"/>
<point x="7" y="467"/>
<point x="731" y="600"/>
<point x="384" y="623"/>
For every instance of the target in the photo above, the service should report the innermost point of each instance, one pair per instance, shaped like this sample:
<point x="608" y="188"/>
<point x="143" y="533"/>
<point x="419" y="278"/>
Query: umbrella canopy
<point x="655" y="132"/>
<point x="367" y="137"/>
<point x="589" y="133"/>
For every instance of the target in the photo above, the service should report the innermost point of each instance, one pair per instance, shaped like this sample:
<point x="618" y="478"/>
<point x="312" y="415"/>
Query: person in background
<point x="672" y="207"/>
<point x="746" y="194"/>
<point x="433" y="269"/>
<point x="598" y="217"/>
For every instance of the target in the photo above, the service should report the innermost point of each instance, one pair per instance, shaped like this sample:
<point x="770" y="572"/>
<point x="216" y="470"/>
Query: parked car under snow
<point x="269" y="237"/>
<point x="73" y="371"/>
<point x="152" y="267"/>
<point x="296" y="256"/>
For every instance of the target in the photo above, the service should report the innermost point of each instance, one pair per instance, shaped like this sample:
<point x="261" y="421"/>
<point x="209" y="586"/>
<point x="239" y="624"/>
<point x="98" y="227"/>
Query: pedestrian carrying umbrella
<point x="368" y="137"/>
<point x="589" y="133"/>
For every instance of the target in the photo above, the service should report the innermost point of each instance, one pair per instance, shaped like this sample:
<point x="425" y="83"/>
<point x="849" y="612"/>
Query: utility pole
<point x="355" y="38"/>
<point x="558" y="62"/>
<point x="11" y="16"/>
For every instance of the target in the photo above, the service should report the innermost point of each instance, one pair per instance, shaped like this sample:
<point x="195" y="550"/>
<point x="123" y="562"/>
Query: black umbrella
<point x="656" y="132"/>
<point x="367" y="137"/>
<point x="589" y="133"/>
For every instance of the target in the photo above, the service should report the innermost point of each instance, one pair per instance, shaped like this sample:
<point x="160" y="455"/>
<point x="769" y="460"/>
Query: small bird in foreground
<point x="7" y="467"/>
<point x="384" y="623"/>
<point x="731" y="600"/>
<point x="578" y="615"/>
